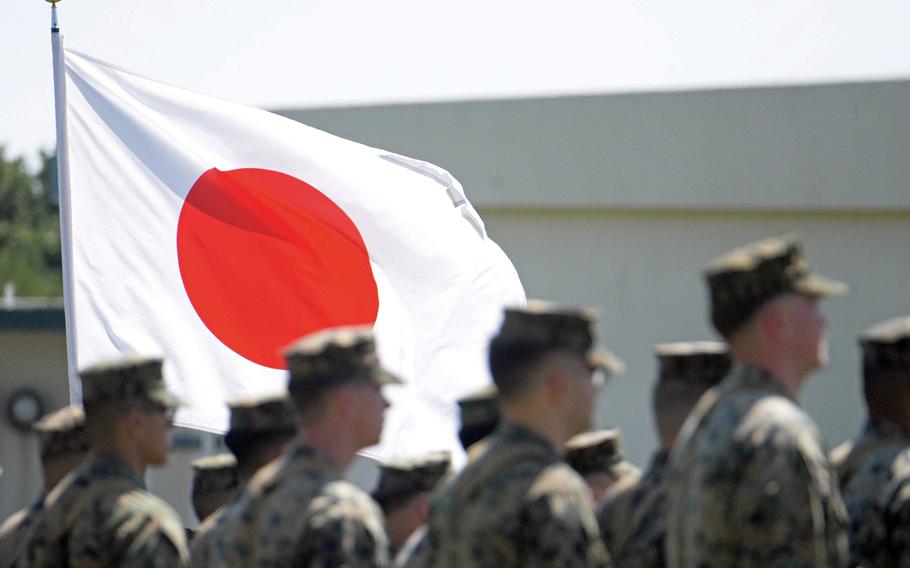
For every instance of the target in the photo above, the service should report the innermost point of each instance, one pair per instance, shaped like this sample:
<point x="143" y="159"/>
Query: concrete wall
<point x="810" y="148"/>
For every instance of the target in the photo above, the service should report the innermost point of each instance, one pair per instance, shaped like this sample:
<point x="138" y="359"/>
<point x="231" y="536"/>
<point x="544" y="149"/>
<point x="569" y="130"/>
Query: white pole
<point x="63" y="191"/>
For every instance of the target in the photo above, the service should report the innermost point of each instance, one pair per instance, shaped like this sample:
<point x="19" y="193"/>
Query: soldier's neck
<point x="337" y="444"/>
<point x="548" y="427"/>
<point x="769" y="359"/>
<point x="126" y="452"/>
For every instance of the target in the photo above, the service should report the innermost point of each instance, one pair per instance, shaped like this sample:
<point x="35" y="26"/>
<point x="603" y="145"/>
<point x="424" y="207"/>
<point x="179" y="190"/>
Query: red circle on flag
<point x="266" y="258"/>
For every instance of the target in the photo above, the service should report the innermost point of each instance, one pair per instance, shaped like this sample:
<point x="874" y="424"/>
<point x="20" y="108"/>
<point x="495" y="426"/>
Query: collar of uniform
<point x="510" y="432"/>
<point x="301" y="457"/>
<point x="886" y="429"/>
<point x="104" y="465"/>
<point x="659" y="459"/>
<point x="752" y="377"/>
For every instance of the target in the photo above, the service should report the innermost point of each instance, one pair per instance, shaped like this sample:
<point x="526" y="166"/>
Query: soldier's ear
<point x="343" y="400"/>
<point x="772" y="318"/>
<point x="132" y="420"/>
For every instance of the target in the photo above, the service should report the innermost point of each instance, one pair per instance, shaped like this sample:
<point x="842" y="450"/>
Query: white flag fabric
<point x="214" y="234"/>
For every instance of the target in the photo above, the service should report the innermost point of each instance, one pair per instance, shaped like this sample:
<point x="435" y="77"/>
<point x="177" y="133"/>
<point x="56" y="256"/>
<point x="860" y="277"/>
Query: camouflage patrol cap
<point x="695" y="362"/>
<point x="335" y="355"/>
<point x="479" y="413"/>
<point x="126" y="378"/>
<point x="62" y="432"/>
<point x="886" y="346"/>
<point x="479" y="407"/>
<point x="215" y="473"/>
<point x="401" y="479"/>
<point x="742" y="280"/>
<point x="545" y="326"/>
<point x="262" y="414"/>
<point x="592" y="452"/>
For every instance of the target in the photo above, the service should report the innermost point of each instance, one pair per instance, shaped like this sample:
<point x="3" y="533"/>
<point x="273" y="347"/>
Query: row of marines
<point x="742" y="476"/>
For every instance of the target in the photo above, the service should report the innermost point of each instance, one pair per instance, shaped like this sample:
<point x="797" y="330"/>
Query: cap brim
<point x="604" y="359"/>
<point x="622" y="468"/>
<point x="820" y="286"/>
<point x="382" y="377"/>
<point x="165" y="398"/>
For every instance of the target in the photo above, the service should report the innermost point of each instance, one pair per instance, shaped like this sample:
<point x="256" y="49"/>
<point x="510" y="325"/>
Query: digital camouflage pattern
<point x="750" y="484"/>
<point x="742" y="280"/>
<point x="404" y="478"/>
<point x="297" y="511"/>
<point x="598" y="452"/>
<point x="632" y="515"/>
<point x="124" y="378"/>
<point x="215" y="473"/>
<point x="335" y="354"/>
<point x="62" y="432"/>
<point x="875" y="481"/>
<point x="16" y="531"/>
<point x="547" y="326"/>
<point x="517" y="504"/>
<point x="262" y="414"/>
<point x="201" y="544"/>
<point x="101" y="515"/>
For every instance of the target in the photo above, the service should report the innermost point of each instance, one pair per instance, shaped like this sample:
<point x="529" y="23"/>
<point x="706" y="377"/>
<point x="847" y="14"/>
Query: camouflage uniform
<point x="750" y="484"/>
<point x="299" y="512"/>
<point x="876" y="489"/>
<point x="402" y="480"/>
<point x="599" y="452"/>
<point x="874" y="470"/>
<point x="517" y="505"/>
<point x="102" y="514"/>
<point x="253" y="419"/>
<point x="212" y="476"/>
<point x="16" y="531"/>
<point x="479" y="414"/>
<point x="632" y="515"/>
<point x="61" y="435"/>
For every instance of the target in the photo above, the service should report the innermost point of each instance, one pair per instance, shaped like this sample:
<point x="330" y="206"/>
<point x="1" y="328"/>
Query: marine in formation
<point x="750" y="484"/>
<point x="516" y="503"/>
<point x="874" y="469"/>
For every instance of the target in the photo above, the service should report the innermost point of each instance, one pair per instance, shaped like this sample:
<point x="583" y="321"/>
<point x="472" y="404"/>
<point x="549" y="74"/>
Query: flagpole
<point x="63" y="192"/>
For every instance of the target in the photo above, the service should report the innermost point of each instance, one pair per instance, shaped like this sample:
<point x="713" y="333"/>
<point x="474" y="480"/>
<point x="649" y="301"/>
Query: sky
<point x="313" y="53"/>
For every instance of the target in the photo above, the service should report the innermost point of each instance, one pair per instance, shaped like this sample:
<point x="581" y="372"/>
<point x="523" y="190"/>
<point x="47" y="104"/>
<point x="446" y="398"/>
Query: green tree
<point x="29" y="227"/>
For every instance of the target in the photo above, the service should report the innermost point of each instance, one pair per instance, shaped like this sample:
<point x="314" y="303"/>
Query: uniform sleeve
<point x="781" y="507"/>
<point x="556" y="532"/>
<point x="147" y="543"/>
<point x="899" y="527"/>
<point x="339" y="537"/>
<point x="613" y="513"/>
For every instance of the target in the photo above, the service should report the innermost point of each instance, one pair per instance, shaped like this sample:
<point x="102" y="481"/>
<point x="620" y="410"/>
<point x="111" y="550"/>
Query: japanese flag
<point x="214" y="234"/>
